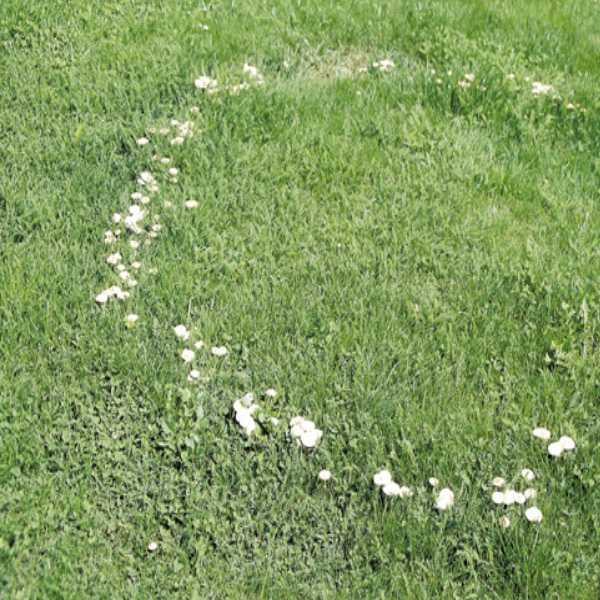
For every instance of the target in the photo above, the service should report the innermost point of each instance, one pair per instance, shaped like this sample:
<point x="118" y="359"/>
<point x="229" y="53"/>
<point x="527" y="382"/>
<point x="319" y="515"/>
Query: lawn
<point x="386" y="214"/>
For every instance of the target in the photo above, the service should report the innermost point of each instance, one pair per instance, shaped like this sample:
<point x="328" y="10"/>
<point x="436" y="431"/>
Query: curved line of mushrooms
<point x="256" y="418"/>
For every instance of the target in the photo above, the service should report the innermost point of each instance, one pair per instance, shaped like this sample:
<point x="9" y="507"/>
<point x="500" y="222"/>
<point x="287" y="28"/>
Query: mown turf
<point x="413" y="265"/>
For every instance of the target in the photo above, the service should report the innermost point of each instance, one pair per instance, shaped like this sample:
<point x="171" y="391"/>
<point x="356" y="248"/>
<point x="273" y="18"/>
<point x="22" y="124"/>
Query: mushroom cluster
<point x="564" y="444"/>
<point x="555" y="449"/>
<point x="244" y="410"/>
<point x="250" y="416"/>
<point x="305" y="432"/>
<point x="510" y="496"/>
<point x="388" y="487"/>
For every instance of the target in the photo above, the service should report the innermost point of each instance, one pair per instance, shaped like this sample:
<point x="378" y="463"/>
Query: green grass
<point x="412" y="265"/>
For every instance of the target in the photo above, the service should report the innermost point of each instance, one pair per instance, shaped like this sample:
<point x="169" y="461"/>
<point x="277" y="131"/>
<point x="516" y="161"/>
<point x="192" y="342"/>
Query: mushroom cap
<point x="498" y="497"/>
<point x="244" y="418"/>
<point x="541" y="433"/>
<point x="567" y="443"/>
<point x="534" y="514"/>
<point x="391" y="489"/>
<point x="309" y="439"/>
<point x="555" y="449"/>
<point x="382" y="478"/>
<point x="188" y="355"/>
<point x="307" y="425"/>
<point x="324" y="475"/>
<point x="528" y="474"/>
<point x="445" y="499"/>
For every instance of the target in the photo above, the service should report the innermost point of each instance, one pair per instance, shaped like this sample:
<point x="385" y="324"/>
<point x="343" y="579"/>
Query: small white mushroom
<point x="527" y="474"/>
<point x="244" y="418"/>
<point x="391" y="489"/>
<point x="382" y="478"/>
<point x="188" y="355"/>
<point x="555" y="449"/>
<point x="533" y="515"/>
<point x="309" y="439"/>
<point x="193" y="376"/>
<point x="498" y="497"/>
<point x="308" y="426"/>
<point x="541" y="433"/>
<point x="445" y="499"/>
<point x="498" y="481"/>
<point x="567" y="443"/>
<point x="324" y="475"/>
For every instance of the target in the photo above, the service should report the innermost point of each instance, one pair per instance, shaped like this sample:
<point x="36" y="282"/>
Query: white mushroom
<point x="188" y="355"/>
<point x="445" y="499"/>
<point x="307" y="426"/>
<point x="555" y="449"/>
<point x="382" y="478"/>
<point x="567" y="443"/>
<point x="324" y="475"/>
<point x="498" y="497"/>
<point x="309" y="439"/>
<point x="533" y="514"/>
<point x="391" y="489"/>
<point x="541" y="433"/>
<point x="527" y="474"/>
